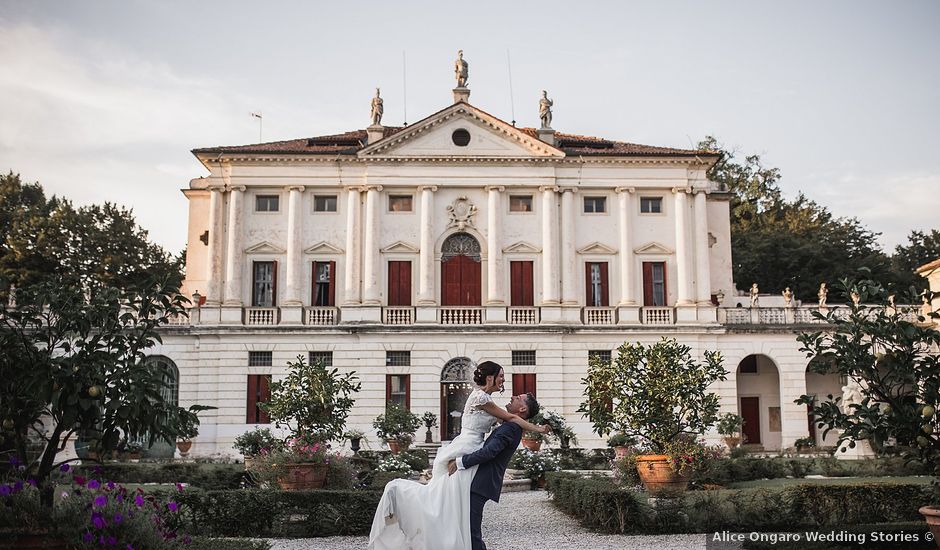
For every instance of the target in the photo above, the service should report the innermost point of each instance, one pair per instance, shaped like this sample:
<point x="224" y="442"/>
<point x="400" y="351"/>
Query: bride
<point x="436" y="516"/>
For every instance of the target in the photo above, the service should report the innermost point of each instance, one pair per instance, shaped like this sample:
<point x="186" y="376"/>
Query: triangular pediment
<point x="597" y="248"/>
<point x="522" y="247"/>
<point x="323" y="247"/>
<point x="401" y="247"/>
<point x="432" y="137"/>
<point x="652" y="248"/>
<point x="264" y="247"/>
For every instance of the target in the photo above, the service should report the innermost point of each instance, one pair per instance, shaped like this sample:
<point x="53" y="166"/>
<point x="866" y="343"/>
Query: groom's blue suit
<point x="487" y="484"/>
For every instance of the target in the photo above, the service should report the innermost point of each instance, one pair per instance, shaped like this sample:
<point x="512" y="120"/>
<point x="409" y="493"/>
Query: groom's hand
<point x="452" y="467"/>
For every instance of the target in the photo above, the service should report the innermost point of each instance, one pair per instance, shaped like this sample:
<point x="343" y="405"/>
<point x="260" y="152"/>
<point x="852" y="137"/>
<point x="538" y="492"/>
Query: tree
<point x="894" y="362"/>
<point x="921" y="248"/>
<point x="71" y="362"/>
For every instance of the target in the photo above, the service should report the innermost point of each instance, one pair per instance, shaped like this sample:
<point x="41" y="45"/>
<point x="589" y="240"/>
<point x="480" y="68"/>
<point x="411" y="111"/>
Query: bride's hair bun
<point x="484" y="369"/>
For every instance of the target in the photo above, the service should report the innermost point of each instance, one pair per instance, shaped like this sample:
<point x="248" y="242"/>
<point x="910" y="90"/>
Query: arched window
<point x="460" y="244"/>
<point x="170" y="390"/>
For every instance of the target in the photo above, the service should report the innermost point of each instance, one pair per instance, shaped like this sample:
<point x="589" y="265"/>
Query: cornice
<point x="612" y="161"/>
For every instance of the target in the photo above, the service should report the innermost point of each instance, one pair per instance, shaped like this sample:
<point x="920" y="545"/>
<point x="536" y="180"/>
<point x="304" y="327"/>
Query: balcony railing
<point x="258" y="316"/>
<point x="523" y="316"/>
<point x="598" y="316"/>
<point x="657" y="316"/>
<point x="321" y="316"/>
<point x="398" y="315"/>
<point x="461" y="315"/>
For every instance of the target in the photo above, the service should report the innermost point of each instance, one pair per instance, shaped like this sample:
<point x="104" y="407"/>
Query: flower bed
<point x="204" y="476"/>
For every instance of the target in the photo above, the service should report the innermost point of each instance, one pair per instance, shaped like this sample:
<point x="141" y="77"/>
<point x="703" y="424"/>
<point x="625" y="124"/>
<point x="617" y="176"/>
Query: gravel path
<point x="525" y="520"/>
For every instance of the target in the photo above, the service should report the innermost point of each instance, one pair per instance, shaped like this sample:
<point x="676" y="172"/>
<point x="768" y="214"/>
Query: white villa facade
<point x="409" y="254"/>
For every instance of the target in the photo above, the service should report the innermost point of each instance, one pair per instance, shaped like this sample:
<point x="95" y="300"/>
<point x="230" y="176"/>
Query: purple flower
<point x="130" y="547"/>
<point x="5" y="490"/>
<point x="110" y="485"/>
<point x="100" y="501"/>
<point x="64" y="468"/>
<point x="32" y="482"/>
<point x="119" y="498"/>
<point x="97" y="470"/>
<point x="172" y="506"/>
<point x="98" y="520"/>
<point x="112" y="540"/>
<point x="88" y="537"/>
<point x="93" y="484"/>
<point x="179" y="486"/>
<point x="18" y="486"/>
<point x="117" y="519"/>
<point x="139" y="501"/>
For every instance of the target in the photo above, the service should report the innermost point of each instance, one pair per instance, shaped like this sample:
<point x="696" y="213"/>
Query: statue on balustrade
<point x="787" y="297"/>
<point x="823" y="293"/>
<point x="855" y="297"/>
<point x="754" y="294"/>
<point x="461" y="70"/>
<point x="545" y="110"/>
<point x="377" y="109"/>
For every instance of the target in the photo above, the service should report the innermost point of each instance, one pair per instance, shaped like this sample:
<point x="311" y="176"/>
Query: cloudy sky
<point x="102" y="100"/>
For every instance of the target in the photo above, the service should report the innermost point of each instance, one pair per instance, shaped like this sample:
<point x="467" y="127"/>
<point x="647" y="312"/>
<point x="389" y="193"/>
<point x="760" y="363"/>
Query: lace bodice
<point x="474" y="417"/>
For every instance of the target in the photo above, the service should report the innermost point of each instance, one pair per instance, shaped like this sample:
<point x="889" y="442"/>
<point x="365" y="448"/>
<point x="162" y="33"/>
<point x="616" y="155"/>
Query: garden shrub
<point x="579" y="459"/>
<point x="204" y="476"/>
<point x="835" y="505"/>
<point x="416" y="458"/>
<point x="730" y="470"/>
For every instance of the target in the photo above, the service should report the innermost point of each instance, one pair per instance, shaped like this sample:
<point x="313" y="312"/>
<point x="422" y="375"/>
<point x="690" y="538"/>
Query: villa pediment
<point x="401" y="247"/>
<point x="597" y="248"/>
<point x="265" y="247"/>
<point x="323" y="247"/>
<point x="522" y="247"/>
<point x="434" y="137"/>
<point x="652" y="248"/>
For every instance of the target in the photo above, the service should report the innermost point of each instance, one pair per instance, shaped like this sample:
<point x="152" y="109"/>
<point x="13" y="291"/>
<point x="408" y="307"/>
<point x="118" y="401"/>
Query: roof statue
<point x="377" y="108"/>
<point x="461" y="70"/>
<point x="545" y="110"/>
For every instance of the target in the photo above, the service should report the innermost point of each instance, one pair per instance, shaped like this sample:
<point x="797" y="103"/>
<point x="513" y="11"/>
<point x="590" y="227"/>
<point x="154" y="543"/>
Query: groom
<point x="493" y="457"/>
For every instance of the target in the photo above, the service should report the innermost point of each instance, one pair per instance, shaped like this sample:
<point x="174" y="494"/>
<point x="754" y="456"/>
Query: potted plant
<point x="133" y="450"/>
<point x="560" y="430"/>
<point x="730" y="426"/>
<point x="532" y="440"/>
<point x="804" y="444"/>
<point x="355" y="437"/>
<point x="313" y="402"/>
<point x="188" y="429"/>
<point x="256" y="443"/>
<point x="430" y="421"/>
<point x="396" y="427"/>
<point x="621" y="443"/>
<point x="535" y="464"/>
<point x="658" y="394"/>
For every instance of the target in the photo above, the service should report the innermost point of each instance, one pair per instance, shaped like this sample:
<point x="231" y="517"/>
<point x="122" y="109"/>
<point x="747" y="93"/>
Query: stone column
<point x="233" y="253"/>
<point x="214" y="265"/>
<point x="549" y="246"/>
<point x="370" y="248"/>
<point x="682" y="247"/>
<point x="703" y="287"/>
<point x="569" y="258"/>
<point x="625" y="219"/>
<point x="351" y="294"/>
<point x="494" y="259"/>
<point x="426" y="254"/>
<point x="293" y="290"/>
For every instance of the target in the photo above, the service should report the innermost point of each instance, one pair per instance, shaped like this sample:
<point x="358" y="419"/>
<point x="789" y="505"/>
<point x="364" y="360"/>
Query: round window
<point x="461" y="137"/>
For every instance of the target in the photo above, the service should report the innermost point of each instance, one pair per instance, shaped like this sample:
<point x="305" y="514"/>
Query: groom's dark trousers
<point x="487" y="484"/>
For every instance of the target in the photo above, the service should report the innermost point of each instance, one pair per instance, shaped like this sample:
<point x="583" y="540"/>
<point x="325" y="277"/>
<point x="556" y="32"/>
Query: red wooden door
<point x="521" y="292"/>
<point x="750" y="411"/>
<point x="460" y="282"/>
<point x="523" y="383"/>
<point x="399" y="283"/>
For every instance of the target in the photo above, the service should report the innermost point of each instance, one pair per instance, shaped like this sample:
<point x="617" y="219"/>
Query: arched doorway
<point x="821" y="383"/>
<point x="460" y="271"/>
<point x="169" y="391"/>
<point x="758" y="385"/>
<point x="455" y="388"/>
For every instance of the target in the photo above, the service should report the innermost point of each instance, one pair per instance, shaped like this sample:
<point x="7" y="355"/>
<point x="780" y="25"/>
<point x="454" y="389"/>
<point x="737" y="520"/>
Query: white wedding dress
<point x="436" y="516"/>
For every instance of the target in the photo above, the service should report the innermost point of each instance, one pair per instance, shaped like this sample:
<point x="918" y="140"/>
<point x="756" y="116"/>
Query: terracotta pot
<point x="658" y="476"/>
<point x="541" y="482"/>
<point x="36" y="540"/>
<point x="251" y="462"/>
<point x="532" y="444"/>
<point x="732" y="441"/>
<point x="932" y="515"/>
<point x="398" y="446"/>
<point x="620" y="452"/>
<point x="184" y="447"/>
<point x="303" y="477"/>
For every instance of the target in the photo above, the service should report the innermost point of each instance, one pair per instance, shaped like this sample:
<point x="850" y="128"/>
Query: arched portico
<point x="758" y="390"/>
<point x="822" y="386"/>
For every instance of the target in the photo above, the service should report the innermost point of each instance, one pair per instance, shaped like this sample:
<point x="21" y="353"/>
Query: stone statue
<point x="926" y="308"/>
<point x="892" y="308"/>
<point x="855" y="297"/>
<point x="545" y="110"/>
<point x="754" y="292"/>
<point x="377" y="109"/>
<point x="851" y="395"/>
<point x="461" y="70"/>
<point x="823" y="293"/>
<point x="787" y="297"/>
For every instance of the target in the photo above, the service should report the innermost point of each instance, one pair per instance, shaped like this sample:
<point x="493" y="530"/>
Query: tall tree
<point x="921" y="248"/>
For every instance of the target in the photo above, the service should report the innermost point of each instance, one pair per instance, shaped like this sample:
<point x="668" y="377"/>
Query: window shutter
<point x="404" y="284"/>
<point x="388" y="388"/>
<point x="450" y="273"/>
<point x="605" y="297"/>
<point x="647" y="284"/>
<point x="588" y="295"/>
<point x="407" y="383"/>
<point x="332" y="290"/>
<point x="251" y="416"/>
<point x="274" y="285"/>
<point x="264" y="391"/>
<point x="516" y="294"/>
<point x="254" y="283"/>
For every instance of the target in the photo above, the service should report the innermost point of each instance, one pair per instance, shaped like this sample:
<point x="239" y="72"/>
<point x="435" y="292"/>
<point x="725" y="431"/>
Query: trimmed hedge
<point x="203" y="475"/>
<point x="261" y="513"/>
<point x="605" y="507"/>
<point x="727" y="470"/>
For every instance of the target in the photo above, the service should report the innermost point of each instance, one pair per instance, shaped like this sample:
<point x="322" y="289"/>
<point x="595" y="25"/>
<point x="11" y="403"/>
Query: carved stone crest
<point x="461" y="213"/>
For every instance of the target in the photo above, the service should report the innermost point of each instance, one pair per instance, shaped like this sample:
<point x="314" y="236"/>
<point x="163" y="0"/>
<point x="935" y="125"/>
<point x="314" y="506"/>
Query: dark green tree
<point x="921" y="248"/>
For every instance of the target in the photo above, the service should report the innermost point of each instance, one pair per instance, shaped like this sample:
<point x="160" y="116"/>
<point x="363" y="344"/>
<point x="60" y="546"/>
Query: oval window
<point x="461" y="137"/>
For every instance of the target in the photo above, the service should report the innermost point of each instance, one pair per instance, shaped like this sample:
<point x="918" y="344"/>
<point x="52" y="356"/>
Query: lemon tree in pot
<point x="730" y="426"/>
<point x="890" y="361"/>
<point x="396" y="427"/>
<point x="659" y="395"/>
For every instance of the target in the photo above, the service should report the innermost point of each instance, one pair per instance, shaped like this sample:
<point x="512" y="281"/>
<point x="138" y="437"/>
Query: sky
<point x="103" y="100"/>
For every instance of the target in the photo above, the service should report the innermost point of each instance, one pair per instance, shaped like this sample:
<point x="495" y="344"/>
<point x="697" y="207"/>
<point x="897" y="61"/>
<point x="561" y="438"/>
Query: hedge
<point x="727" y="470"/>
<point x="605" y="507"/>
<point x="203" y="475"/>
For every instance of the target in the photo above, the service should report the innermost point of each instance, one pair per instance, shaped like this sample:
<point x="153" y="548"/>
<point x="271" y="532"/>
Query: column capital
<point x="568" y="189"/>
<point x="295" y="188"/>
<point x="237" y="188"/>
<point x="431" y="188"/>
<point x="356" y="188"/>
<point x="499" y="188"/>
<point x="699" y="191"/>
<point x="370" y="187"/>
<point x="548" y="188"/>
<point x="215" y="187"/>
<point x="677" y="190"/>
<point x="630" y="190"/>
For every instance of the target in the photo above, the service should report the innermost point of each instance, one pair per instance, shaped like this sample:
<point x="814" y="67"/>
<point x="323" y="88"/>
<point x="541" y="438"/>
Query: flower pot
<point x="354" y="443"/>
<point x="184" y="446"/>
<point x="932" y="515"/>
<point x="251" y="462"/>
<point x="427" y="437"/>
<point x="732" y="441"/>
<point x="620" y="452"/>
<point x="532" y="444"/>
<point x="303" y="477"/>
<point x="658" y="476"/>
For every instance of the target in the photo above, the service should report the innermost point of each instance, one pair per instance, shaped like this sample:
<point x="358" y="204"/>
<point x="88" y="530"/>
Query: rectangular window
<point x="596" y="284"/>
<point x="325" y="358"/>
<point x="523" y="358"/>
<point x="324" y="285"/>
<point x="654" y="284"/>
<point x="399" y="283"/>
<point x="259" y="391"/>
<point x="324" y="203"/>
<point x="267" y="203"/>
<point x="400" y="203"/>
<point x="398" y="390"/>
<point x="651" y="205"/>
<point x="397" y="358"/>
<point x="595" y="205"/>
<point x="259" y="359"/>
<point x="524" y="383"/>
<point x="599" y="354"/>
<point x="264" y="284"/>
<point x="521" y="287"/>
<point x="520" y="203"/>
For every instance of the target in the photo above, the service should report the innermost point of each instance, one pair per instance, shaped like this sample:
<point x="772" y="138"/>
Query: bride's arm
<point x="506" y="416"/>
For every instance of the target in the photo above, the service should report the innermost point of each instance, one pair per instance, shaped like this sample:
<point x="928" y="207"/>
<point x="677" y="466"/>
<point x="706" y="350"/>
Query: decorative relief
<point x="457" y="371"/>
<point x="461" y="213"/>
<point x="460" y="244"/>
